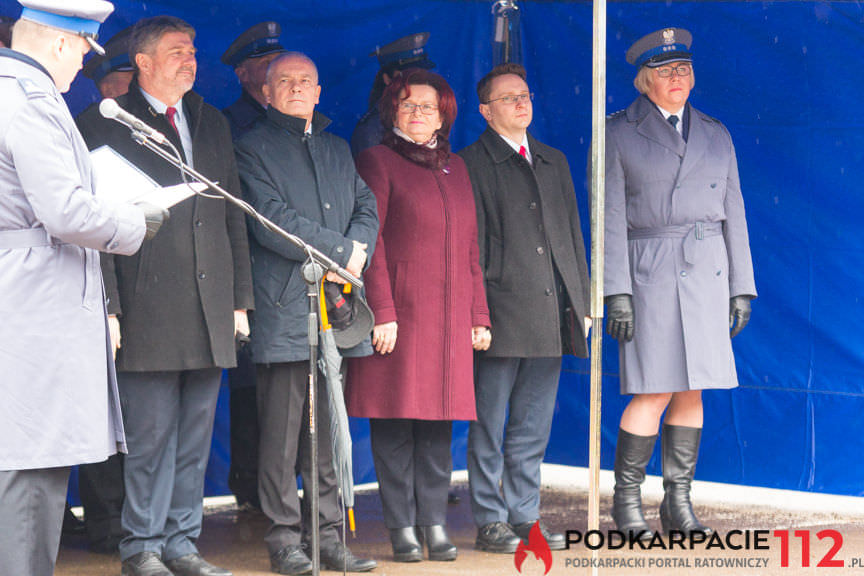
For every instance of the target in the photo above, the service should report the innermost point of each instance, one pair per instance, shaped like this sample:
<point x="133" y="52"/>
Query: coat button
<point x="326" y="205"/>
<point x="114" y="245"/>
<point x="340" y="249"/>
<point x="532" y="205"/>
<point x="713" y="185"/>
<point x="548" y="291"/>
<point x="719" y="272"/>
<point x="202" y="275"/>
<point x="683" y="274"/>
<point x="199" y="223"/>
<point x="540" y="250"/>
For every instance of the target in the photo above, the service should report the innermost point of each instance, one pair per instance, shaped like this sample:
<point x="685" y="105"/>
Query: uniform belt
<point x="700" y="230"/>
<point x="29" y="238"/>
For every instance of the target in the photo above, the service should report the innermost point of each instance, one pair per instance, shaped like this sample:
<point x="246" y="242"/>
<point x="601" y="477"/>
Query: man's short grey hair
<point x="289" y="56"/>
<point x="644" y="79"/>
<point x="147" y="32"/>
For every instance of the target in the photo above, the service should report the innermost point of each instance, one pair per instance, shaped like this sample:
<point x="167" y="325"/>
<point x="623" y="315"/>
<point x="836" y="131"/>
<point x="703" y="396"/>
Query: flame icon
<point x="536" y="544"/>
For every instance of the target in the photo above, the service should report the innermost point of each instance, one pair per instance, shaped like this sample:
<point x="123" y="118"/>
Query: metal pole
<point x="598" y="208"/>
<point x="313" y="274"/>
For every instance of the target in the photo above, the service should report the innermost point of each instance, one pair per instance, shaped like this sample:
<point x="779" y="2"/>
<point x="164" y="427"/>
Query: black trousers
<point x="413" y="464"/>
<point x="283" y="420"/>
<point x="100" y="486"/>
<point x="243" y="474"/>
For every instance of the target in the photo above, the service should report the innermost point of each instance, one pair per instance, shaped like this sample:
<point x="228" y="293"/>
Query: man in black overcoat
<point x="176" y="305"/>
<point x="533" y="259"/>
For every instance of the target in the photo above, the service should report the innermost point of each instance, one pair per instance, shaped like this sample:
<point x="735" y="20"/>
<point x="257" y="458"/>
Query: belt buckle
<point x="700" y="231"/>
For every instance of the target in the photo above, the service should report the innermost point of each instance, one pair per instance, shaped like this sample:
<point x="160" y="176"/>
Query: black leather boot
<point x="632" y="454"/>
<point x="680" y="445"/>
<point x="406" y="546"/>
<point x="440" y="547"/>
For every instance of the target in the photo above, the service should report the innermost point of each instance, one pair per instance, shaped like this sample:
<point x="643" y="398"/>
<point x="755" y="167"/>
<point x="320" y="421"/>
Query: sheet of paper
<point x="118" y="180"/>
<point x="171" y="195"/>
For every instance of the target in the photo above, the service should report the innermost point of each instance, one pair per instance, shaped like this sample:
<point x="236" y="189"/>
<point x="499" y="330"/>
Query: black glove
<point x="619" y="317"/>
<point x="739" y="309"/>
<point x="154" y="217"/>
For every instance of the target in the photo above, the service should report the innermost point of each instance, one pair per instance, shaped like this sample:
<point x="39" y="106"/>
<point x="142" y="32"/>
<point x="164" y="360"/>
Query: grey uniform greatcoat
<point x="676" y="239"/>
<point x="58" y="393"/>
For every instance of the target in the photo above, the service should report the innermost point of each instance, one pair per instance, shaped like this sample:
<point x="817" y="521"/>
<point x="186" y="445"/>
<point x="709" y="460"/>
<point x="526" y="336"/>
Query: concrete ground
<point x="233" y="539"/>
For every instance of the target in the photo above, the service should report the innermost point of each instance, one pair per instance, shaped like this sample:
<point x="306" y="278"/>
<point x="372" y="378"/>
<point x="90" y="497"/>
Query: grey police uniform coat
<point x="676" y="239"/>
<point x="58" y="394"/>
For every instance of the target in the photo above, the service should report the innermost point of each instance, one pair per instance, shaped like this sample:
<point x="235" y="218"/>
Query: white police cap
<point x="81" y="17"/>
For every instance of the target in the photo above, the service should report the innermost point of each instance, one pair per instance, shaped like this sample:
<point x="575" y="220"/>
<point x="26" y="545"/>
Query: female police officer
<point x="677" y="252"/>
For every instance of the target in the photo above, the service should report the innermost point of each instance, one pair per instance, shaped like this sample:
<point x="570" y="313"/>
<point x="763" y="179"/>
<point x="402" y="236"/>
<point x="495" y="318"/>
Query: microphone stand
<point x="314" y="269"/>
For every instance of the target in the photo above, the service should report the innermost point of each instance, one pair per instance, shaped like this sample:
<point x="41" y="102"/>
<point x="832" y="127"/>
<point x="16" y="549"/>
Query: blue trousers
<point x="169" y="425"/>
<point x="515" y="403"/>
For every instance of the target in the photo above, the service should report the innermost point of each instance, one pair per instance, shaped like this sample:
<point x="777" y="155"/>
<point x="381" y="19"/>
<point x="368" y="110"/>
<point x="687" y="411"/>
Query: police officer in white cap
<point x="678" y="274"/>
<point x="58" y="395"/>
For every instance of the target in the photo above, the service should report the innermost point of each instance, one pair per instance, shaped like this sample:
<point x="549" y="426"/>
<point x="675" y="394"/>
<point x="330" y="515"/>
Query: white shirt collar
<point x="680" y="114"/>
<point x="516" y="146"/>
<point x="179" y="120"/>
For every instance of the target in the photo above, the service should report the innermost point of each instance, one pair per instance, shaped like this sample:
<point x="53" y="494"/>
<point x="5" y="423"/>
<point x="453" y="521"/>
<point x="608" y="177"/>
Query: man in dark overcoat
<point x="303" y="179"/>
<point x="533" y="259"/>
<point x="250" y="54"/>
<point x="176" y="304"/>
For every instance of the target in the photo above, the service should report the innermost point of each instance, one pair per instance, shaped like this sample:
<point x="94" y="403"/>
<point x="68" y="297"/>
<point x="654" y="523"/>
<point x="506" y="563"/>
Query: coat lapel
<point x="698" y="141"/>
<point x="651" y="125"/>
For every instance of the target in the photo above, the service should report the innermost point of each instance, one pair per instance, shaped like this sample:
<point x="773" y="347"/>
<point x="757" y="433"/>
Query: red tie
<point x="523" y="152"/>
<point x="170" y="112"/>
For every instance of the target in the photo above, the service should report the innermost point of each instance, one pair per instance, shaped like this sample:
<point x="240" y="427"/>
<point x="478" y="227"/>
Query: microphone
<point x="111" y="110"/>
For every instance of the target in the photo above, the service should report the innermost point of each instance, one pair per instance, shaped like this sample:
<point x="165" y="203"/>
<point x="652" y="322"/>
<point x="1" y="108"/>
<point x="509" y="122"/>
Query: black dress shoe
<point x="339" y="558"/>
<point x="144" y="564"/>
<point x="497" y="537"/>
<point x="195" y="565"/>
<point x="555" y="540"/>
<point x="406" y="546"/>
<point x="440" y="547"/>
<point x="291" y="560"/>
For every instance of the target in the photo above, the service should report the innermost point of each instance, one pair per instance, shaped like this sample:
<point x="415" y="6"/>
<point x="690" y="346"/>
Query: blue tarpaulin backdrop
<point x="783" y="76"/>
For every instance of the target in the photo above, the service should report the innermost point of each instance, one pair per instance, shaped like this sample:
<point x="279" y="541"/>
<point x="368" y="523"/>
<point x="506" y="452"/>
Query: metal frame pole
<point x="598" y="208"/>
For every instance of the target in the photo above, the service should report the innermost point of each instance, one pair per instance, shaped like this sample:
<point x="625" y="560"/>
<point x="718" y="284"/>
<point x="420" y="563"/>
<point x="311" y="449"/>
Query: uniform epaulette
<point x="31" y="88"/>
<point x="709" y="118"/>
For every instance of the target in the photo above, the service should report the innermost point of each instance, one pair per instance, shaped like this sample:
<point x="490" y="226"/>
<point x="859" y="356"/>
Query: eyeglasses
<point x="512" y="99"/>
<point x="409" y="108"/>
<point x="680" y="70"/>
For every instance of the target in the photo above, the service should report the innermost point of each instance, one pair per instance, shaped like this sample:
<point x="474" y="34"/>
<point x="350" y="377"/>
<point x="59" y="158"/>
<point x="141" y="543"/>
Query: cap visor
<point x="679" y="58"/>
<point x="95" y="46"/>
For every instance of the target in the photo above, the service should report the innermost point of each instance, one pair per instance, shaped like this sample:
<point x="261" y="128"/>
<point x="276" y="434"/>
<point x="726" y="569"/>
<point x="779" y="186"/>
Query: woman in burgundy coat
<point x="425" y="286"/>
